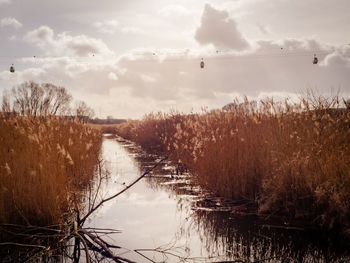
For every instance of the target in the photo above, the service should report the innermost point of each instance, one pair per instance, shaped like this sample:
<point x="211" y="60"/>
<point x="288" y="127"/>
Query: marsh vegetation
<point x="287" y="162"/>
<point x="177" y="220"/>
<point x="290" y="159"/>
<point x="47" y="163"/>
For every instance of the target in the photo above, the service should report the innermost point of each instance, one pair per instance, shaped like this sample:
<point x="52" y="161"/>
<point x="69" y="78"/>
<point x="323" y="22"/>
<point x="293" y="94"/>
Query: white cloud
<point x="219" y="29"/>
<point x="337" y="59"/>
<point x="82" y="45"/>
<point x="43" y="34"/>
<point x="64" y="44"/>
<point x="135" y="85"/>
<point x="265" y="30"/>
<point x="172" y="10"/>
<point x="112" y="76"/>
<point x="267" y="70"/>
<point x="107" y="26"/>
<point x="5" y="2"/>
<point x="147" y="78"/>
<point x="139" y="82"/>
<point x="291" y="45"/>
<point x="10" y="21"/>
<point x="132" y="30"/>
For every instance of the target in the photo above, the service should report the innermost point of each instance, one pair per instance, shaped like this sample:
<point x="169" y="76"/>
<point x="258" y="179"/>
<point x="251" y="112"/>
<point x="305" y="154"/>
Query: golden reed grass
<point x="292" y="159"/>
<point x="104" y="128"/>
<point x="45" y="163"/>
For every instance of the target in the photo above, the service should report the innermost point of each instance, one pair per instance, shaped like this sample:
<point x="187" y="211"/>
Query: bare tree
<point x="6" y="106"/>
<point x="40" y="99"/>
<point x="82" y="109"/>
<point x="347" y="103"/>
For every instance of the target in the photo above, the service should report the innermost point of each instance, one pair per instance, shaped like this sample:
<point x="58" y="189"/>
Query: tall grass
<point x="104" y="128"/>
<point x="45" y="163"/>
<point x="289" y="158"/>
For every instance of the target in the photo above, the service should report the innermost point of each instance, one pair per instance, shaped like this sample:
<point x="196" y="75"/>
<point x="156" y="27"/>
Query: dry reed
<point x="292" y="159"/>
<point x="45" y="164"/>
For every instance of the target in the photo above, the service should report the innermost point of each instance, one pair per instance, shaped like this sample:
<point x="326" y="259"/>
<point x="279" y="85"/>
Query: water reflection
<point x="249" y="240"/>
<point x="220" y="231"/>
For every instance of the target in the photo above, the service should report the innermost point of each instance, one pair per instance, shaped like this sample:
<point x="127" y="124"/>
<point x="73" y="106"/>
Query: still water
<point x="170" y="215"/>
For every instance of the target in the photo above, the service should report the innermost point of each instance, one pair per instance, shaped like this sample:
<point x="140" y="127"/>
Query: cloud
<point x="10" y="21"/>
<point x="140" y="82"/>
<point x="265" y="30"/>
<point x="172" y="10"/>
<point x="291" y="45"/>
<point x="219" y="29"/>
<point x="107" y="27"/>
<point x="112" y="76"/>
<point x="337" y="59"/>
<point x="268" y="70"/>
<point x="43" y="34"/>
<point x="5" y="2"/>
<point x="64" y="44"/>
<point x="132" y="30"/>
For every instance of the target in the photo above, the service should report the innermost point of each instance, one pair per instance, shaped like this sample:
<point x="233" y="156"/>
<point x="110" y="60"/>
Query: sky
<point x="127" y="58"/>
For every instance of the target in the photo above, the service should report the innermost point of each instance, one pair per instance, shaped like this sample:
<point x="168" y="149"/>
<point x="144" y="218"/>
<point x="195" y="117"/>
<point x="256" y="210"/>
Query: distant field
<point x="105" y="128"/>
<point x="106" y="121"/>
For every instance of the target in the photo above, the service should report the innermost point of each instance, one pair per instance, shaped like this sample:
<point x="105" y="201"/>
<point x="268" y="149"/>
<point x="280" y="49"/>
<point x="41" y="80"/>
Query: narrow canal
<point x="170" y="215"/>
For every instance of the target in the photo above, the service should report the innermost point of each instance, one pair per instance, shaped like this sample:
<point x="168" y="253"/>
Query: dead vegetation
<point x="105" y="128"/>
<point x="45" y="162"/>
<point x="292" y="159"/>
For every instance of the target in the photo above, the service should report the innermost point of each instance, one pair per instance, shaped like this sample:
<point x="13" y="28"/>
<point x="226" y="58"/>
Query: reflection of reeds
<point x="45" y="162"/>
<point x="227" y="234"/>
<point x="291" y="158"/>
<point x="249" y="241"/>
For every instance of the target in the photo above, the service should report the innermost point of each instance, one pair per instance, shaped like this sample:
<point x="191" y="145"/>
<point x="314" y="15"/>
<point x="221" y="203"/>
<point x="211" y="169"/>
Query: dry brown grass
<point x="290" y="158"/>
<point x="45" y="162"/>
<point x="105" y="128"/>
<point x="152" y="131"/>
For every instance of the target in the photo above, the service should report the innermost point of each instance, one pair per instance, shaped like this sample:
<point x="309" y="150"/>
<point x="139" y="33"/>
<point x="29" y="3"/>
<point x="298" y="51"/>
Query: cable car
<point x="12" y="69"/>
<point x="202" y="63"/>
<point x="315" y="60"/>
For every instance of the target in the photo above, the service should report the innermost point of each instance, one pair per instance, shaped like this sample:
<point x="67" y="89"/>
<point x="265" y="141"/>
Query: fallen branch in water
<point x="31" y="242"/>
<point x="21" y="245"/>
<point x="99" y="245"/>
<point x="92" y="210"/>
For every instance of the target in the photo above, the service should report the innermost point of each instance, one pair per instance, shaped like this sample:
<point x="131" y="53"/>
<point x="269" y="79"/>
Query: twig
<point x="101" y="251"/>
<point x="21" y="245"/>
<point x="99" y="184"/>
<point x="104" y="250"/>
<point x="103" y="229"/>
<point x="85" y="247"/>
<point x="96" y="237"/>
<point x="144" y="256"/>
<point x="122" y="191"/>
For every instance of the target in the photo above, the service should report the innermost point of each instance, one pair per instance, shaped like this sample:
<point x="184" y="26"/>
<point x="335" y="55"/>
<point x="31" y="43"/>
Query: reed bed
<point x="45" y="165"/>
<point x="104" y="128"/>
<point x="291" y="159"/>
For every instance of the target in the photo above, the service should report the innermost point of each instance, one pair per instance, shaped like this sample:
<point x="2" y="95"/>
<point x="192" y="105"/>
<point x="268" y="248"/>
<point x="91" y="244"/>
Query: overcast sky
<point x="126" y="58"/>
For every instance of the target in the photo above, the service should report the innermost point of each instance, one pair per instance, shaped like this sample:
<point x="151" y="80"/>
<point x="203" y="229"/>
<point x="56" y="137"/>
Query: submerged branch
<point x="122" y="191"/>
<point x="101" y="246"/>
<point x="21" y="245"/>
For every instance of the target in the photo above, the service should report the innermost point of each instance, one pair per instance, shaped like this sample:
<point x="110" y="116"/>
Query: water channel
<point x="165" y="212"/>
